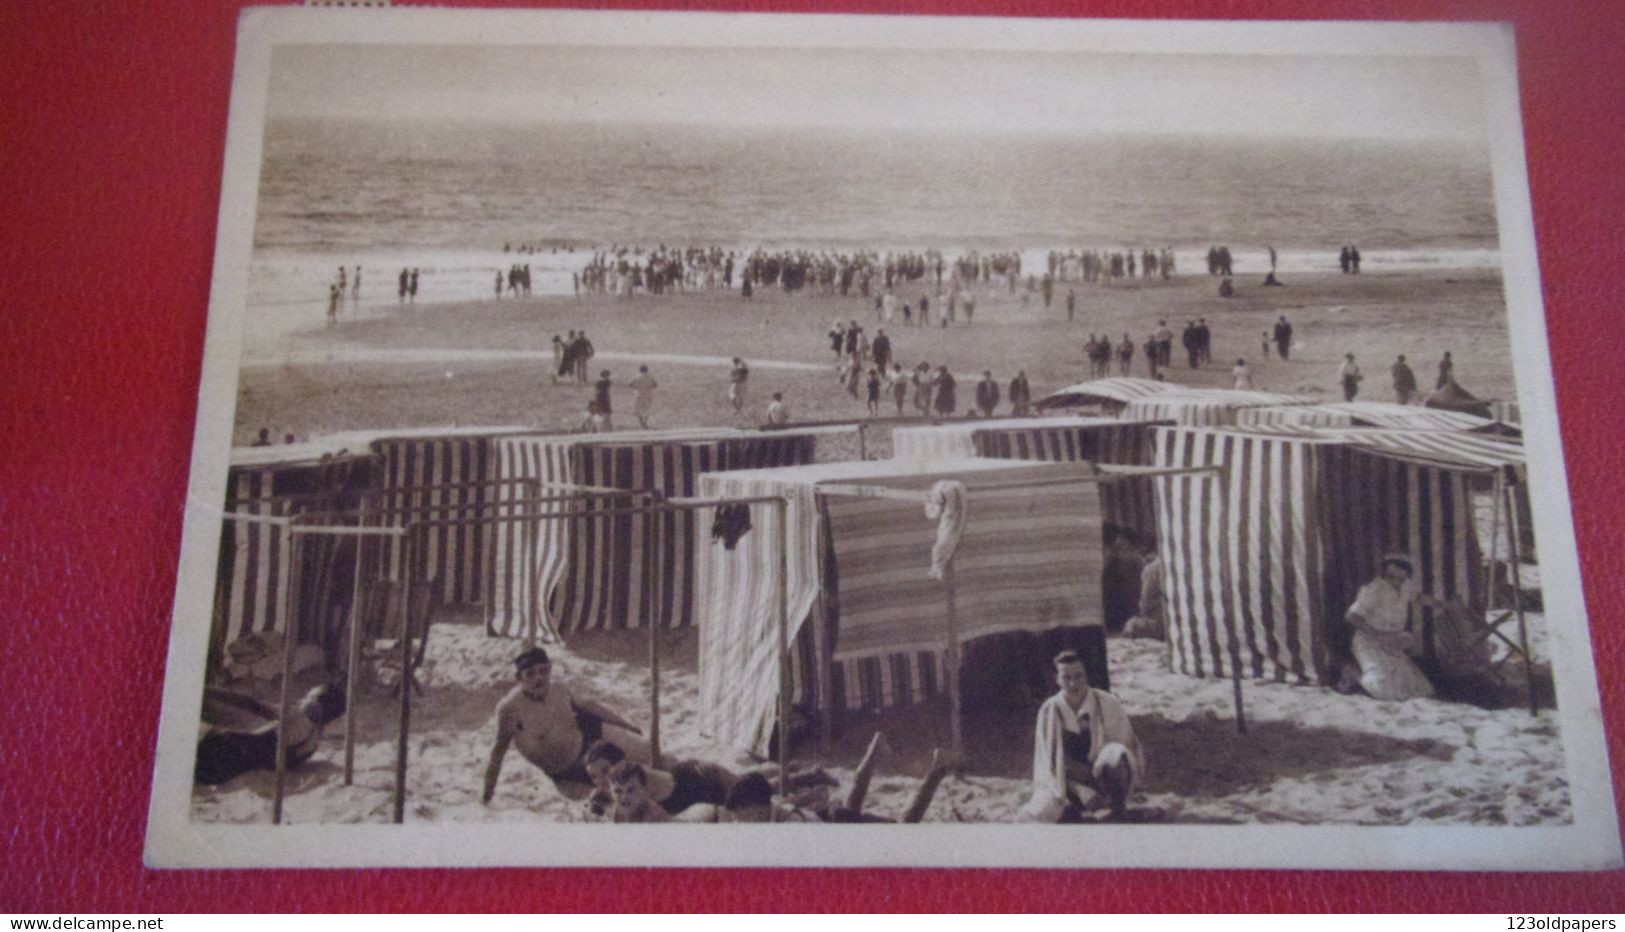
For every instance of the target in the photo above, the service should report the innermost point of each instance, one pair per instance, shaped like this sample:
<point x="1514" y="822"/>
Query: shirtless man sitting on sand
<point x="553" y="729"/>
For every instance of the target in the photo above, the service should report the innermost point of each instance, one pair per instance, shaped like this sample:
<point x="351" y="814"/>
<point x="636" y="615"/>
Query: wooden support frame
<point x="657" y="505"/>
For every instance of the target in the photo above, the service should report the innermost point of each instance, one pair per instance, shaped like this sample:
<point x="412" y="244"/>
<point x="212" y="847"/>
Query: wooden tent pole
<point x="352" y="662"/>
<point x="290" y="636"/>
<point x="405" y="682"/>
<point x="783" y="510"/>
<point x="1498" y="497"/>
<point x="652" y="600"/>
<point x="1515" y="558"/>
<point x="1235" y="674"/>
<point x="956" y="713"/>
<point x="863" y="442"/>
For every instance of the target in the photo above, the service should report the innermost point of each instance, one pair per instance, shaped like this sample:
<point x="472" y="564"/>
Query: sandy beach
<point x="383" y="371"/>
<point x="1309" y="755"/>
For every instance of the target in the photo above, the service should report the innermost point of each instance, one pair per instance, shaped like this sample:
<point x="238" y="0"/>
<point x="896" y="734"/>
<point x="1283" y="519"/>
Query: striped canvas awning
<point x="957" y="439"/>
<point x="622" y="571"/>
<point x="1204" y="407"/>
<point x="1463" y="451"/>
<point x="1378" y="414"/>
<point x="858" y="567"/>
<point x="1111" y="392"/>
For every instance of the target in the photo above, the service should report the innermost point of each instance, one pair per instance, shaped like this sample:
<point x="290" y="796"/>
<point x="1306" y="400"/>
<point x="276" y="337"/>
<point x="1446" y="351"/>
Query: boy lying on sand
<point x="552" y="729"/>
<point x="683" y="784"/>
<point x="752" y="799"/>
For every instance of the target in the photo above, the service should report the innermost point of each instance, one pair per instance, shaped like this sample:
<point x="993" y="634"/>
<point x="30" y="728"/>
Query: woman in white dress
<point x="1383" y="640"/>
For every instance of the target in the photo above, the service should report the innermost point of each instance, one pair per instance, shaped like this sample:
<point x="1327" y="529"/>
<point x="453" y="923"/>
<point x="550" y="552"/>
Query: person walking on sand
<point x="921" y="377"/>
<point x="1165" y="345"/>
<point x="942" y="387"/>
<point x="871" y="396"/>
<point x="332" y="305"/>
<point x="558" y="360"/>
<point x="643" y="396"/>
<point x="1447" y="370"/>
<point x="1021" y="394"/>
<point x="1125" y="355"/>
<point x="1242" y="376"/>
<point x="987" y="394"/>
<point x="1349" y="375"/>
<point x="355" y="287"/>
<point x="499" y="286"/>
<point x="412" y="288"/>
<point x="600" y="397"/>
<point x="583" y="356"/>
<point x="1071" y="305"/>
<point x="880" y="350"/>
<point x="899" y="386"/>
<point x="1283" y="338"/>
<point x="1404" y="381"/>
<point x="738" y="381"/>
<point x="405" y="278"/>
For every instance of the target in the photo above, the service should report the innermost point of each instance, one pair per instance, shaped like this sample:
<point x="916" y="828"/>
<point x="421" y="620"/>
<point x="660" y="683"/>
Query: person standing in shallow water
<point x="1447" y="370"/>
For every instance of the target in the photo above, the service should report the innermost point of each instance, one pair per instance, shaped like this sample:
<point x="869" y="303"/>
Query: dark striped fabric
<point x="444" y="470"/>
<point x="1377" y="504"/>
<point x="1127" y="503"/>
<point x="251" y="583"/>
<point x="1242" y="551"/>
<point x="619" y="571"/>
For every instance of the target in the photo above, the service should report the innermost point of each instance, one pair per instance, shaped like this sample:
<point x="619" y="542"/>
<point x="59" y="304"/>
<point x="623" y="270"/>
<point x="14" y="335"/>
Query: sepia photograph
<point x="1083" y="443"/>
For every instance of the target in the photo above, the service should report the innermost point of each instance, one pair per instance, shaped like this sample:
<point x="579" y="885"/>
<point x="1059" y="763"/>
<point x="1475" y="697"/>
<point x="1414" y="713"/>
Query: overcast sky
<point x="964" y="90"/>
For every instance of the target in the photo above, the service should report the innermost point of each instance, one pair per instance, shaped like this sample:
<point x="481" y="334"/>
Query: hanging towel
<point x="946" y="505"/>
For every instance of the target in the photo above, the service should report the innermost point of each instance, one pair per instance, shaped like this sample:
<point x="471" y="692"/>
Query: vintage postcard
<point x="656" y="439"/>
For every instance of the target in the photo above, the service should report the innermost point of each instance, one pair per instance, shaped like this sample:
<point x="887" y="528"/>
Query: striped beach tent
<point x="867" y="623"/>
<point x="1261" y="565"/>
<point x="1378" y="414"/>
<point x="1212" y="407"/>
<point x="441" y="466"/>
<point x="1126" y="503"/>
<point x="622" y="571"/>
<point x="1111" y="394"/>
<point x="251" y="583"/>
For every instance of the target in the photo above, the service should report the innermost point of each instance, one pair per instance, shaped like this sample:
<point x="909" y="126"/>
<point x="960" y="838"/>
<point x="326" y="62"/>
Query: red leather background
<point x="112" y="127"/>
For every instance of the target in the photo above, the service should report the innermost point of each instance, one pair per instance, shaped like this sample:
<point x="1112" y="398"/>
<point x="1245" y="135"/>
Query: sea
<point x="449" y="198"/>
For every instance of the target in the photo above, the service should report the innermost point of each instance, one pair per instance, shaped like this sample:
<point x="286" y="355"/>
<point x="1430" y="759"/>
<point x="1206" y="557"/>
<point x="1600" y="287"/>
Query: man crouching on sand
<point x="1085" y="754"/>
<point x="553" y="729"/>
